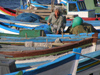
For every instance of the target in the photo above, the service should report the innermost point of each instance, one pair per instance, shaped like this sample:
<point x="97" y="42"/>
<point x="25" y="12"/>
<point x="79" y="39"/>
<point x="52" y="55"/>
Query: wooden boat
<point x="69" y="17"/>
<point x="79" y="8"/>
<point x="7" y="11"/>
<point x="37" y="5"/>
<point x="21" y="18"/>
<point x="40" y="36"/>
<point x="27" y="53"/>
<point x="69" y="62"/>
<point x="9" y="25"/>
<point x="15" y="27"/>
<point x="83" y="9"/>
<point x="11" y="12"/>
<point x="38" y="31"/>
<point x="89" y="64"/>
<point x="30" y="25"/>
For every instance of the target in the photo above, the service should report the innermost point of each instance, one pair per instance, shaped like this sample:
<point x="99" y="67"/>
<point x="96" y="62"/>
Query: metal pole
<point x="87" y="56"/>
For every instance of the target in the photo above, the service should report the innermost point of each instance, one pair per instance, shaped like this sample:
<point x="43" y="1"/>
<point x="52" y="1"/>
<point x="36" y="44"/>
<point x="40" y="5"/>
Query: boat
<point x="38" y="5"/>
<point x="68" y="62"/>
<point x="32" y="4"/>
<point x="23" y="17"/>
<point x="40" y="35"/>
<point x="77" y="8"/>
<point x="11" y="12"/>
<point x="94" y="6"/>
<point x="28" y="53"/>
<point x="89" y="64"/>
<point x="15" y="28"/>
<point x="7" y="22"/>
<point x="81" y="9"/>
<point x="70" y="13"/>
<point x="7" y="11"/>
<point x="42" y="30"/>
<point x="12" y="27"/>
<point x="29" y="25"/>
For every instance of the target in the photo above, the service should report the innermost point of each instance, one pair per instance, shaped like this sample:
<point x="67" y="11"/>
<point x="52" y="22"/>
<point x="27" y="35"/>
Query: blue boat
<point x="66" y="64"/>
<point x="7" y="27"/>
<point x="23" y="17"/>
<point x="15" y="28"/>
<point x="31" y="3"/>
<point x="89" y="64"/>
<point x="38" y="5"/>
<point x="49" y="38"/>
<point x="26" y="52"/>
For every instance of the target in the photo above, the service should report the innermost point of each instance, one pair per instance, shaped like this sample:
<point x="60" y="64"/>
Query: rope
<point x="87" y="56"/>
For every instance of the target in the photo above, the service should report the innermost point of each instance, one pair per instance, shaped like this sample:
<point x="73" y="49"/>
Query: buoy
<point x="77" y="21"/>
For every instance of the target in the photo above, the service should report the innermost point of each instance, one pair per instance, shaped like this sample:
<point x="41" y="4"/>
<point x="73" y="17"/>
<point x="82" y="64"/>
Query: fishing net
<point x="28" y="17"/>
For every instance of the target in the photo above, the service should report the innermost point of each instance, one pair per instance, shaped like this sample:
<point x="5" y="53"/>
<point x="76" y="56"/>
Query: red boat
<point x="7" y="11"/>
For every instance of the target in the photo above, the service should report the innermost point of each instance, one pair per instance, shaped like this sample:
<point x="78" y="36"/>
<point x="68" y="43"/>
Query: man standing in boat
<point x="56" y="21"/>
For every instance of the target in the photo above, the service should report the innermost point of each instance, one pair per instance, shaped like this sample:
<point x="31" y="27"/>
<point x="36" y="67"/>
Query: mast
<point x="52" y="5"/>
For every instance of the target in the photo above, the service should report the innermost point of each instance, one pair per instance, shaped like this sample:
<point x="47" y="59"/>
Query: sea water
<point x="13" y="4"/>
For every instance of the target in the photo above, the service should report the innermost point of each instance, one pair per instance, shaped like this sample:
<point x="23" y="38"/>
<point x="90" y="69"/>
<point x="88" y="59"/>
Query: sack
<point x="77" y="30"/>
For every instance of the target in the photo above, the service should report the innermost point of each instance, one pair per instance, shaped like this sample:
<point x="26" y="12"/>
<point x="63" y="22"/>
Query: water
<point x="13" y="4"/>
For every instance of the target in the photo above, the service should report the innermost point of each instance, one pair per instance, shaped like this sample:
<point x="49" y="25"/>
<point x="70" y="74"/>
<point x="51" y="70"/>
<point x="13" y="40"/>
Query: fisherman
<point x="79" y="27"/>
<point x="56" y="21"/>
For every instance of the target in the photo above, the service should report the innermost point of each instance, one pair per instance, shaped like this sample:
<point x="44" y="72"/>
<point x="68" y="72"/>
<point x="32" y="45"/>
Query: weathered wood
<point x="71" y="16"/>
<point x="59" y="44"/>
<point x="26" y="10"/>
<point x="17" y="11"/>
<point x="29" y="44"/>
<point x="47" y="51"/>
<point x="41" y="14"/>
<point x="49" y="45"/>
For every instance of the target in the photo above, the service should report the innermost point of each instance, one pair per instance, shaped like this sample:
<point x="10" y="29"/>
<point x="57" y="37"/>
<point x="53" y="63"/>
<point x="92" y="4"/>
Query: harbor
<point x="50" y="37"/>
